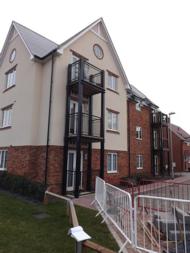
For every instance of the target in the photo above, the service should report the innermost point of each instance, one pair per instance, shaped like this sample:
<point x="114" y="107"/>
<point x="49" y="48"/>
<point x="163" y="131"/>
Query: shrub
<point x="22" y="186"/>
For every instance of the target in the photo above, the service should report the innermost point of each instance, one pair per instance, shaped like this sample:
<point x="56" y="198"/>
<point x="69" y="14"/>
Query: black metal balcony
<point x="159" y="118"/>
<point x="91" y="77"/>
<point x="90" y="130"/>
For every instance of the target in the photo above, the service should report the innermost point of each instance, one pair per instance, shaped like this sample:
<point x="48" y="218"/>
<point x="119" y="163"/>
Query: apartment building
<point x="181" y="149"/>
<point x="63" y="108"/>
<point x="139" y="132"/>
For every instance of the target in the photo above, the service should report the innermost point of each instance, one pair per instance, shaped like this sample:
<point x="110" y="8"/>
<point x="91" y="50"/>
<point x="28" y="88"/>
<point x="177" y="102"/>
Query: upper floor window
<point x="112" y="162"/>
<point x="12" y="55"/>
<point x="7" y="117"/>
<point x="138" y="132"/>
<point x="10" y="78"/>
<point x="112" y="120"/>
<point x="112" y="82"/>
<point x="139" y="162"/>
<point x="138" y="106"/>
<point x="3" y="159"/>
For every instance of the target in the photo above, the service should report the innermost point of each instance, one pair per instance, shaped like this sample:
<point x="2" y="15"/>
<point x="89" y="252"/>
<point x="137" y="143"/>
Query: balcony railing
<point x="86" y="72"/>
<point x="160" y="118"/>
<point x="90" y="125"/>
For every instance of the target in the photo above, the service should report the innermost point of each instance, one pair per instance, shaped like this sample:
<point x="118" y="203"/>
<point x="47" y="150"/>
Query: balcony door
<point x="73" y="117"/>
<point x="71" y="170"/>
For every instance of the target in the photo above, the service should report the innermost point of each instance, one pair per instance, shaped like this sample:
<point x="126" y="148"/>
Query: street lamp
<point x="171" y="145"/>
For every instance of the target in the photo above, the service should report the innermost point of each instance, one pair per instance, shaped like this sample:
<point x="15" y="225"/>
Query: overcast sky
<point x="152" y="38"/>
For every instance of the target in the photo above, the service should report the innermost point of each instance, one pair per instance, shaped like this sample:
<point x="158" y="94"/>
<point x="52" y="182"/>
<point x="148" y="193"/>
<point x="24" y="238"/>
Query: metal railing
<point x="155" y="224"/>
<point x="166" y="189"/>
<point x="90" y="124"/>
<point x="87" y="72"/>
<point x="116" y="205"/>
<point x="162" y="224"/>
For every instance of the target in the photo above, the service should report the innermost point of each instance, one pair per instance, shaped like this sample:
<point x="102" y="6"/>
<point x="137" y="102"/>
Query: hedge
<point x="22" y="186"/>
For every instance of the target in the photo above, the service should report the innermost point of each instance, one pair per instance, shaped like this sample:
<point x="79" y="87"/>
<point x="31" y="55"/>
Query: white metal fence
<point x="154" y="225"/>
<point x="162" y="224"/>
<point x="116" y="205"/>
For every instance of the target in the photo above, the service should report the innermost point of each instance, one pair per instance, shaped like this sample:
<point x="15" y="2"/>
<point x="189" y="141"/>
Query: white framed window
<point x="10" y="78"/>
<point x="113" y="120"/>
<point x="139" y="162"/>
<point x="138" y="132"/>
<point x="112" y="82"/>
<point x="3" y="159"/>
<point x="7" y="117"/>
<point x="138" y="106"/>
<point x="112" y="162"/>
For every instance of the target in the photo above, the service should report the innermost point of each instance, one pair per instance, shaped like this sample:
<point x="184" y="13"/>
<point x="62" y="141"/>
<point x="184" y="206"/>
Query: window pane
<point x="11" y="78"/>
<point x="114" y="162"/>
<point x="109" y="120"/>
<point x="7" y="115"/>
<point x="3" y="158"/>
<point x="109" y="162"/>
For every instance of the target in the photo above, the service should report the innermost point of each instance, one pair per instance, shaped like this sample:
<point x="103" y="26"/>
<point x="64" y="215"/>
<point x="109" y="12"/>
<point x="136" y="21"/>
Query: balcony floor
<point x="85" y="138"/>
<point x="89" y="88"/>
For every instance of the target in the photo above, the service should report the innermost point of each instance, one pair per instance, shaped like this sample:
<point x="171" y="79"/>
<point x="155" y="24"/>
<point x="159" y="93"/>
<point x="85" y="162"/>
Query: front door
<point x="71" y="170"/>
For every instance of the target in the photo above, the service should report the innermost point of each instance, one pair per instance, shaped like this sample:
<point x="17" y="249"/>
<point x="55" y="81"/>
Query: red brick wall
<point x="142" y="147"/>
<point x="29" y="161"/>
<point x="122" y="162"/>
<point x="186" y="152"/>
<point x="177" y="152"/>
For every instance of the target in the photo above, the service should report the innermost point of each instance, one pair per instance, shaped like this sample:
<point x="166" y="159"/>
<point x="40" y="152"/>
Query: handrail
<point x="74" y="220"/>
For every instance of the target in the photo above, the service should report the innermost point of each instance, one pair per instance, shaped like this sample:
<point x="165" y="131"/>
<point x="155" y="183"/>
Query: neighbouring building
<point x="139" y="132"/>
<point x="63" y="108"/>
<point x="160" y="144"/>
<point x="181" y="149"/>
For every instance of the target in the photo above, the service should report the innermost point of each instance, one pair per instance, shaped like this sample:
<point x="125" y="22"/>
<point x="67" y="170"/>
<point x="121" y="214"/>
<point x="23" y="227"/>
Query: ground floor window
<point x="139" y="162"/>
<point x="112" y="162"/>
<point x="3" y="159"/>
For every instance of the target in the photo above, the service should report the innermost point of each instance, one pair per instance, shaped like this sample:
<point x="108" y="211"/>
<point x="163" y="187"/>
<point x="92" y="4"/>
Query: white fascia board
<point x="79" y="35"/>
<point x="31" y="55"/>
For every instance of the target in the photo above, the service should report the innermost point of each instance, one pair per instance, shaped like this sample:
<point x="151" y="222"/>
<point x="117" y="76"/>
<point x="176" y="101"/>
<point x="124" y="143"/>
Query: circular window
<point x="12" y="55"/>
<point x="98" y="51"/>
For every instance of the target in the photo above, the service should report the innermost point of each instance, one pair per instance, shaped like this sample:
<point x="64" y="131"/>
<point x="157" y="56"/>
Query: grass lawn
<point x="22" y="232"/>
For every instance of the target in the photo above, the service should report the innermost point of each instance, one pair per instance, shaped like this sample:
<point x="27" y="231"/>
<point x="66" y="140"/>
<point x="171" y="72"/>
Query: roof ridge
<point x="16" y="23"/>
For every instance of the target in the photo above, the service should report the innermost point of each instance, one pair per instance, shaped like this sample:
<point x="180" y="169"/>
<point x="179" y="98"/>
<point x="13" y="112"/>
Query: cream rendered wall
<point x="117" y="102"/>
<point x="24" y="96"/>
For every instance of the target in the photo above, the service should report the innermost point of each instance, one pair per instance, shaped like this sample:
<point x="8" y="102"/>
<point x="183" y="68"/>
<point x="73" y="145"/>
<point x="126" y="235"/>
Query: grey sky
<point x="151" y="37"/>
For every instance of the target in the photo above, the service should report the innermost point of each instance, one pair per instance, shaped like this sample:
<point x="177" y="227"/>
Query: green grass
<point x="21" y="232"/>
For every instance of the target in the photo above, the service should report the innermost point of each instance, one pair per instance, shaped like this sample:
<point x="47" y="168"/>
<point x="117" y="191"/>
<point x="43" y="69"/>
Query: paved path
<point x="85" y="201"/>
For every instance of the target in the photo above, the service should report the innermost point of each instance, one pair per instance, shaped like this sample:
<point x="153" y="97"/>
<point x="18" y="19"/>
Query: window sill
<point x="116" y="92"/>
<point x="139" y="139"/>
<point x="112" y="131"/>
<point x="4" y="128"/>
<point x="9" y="88"/>
<point x="112" y="172"/>
<point x="3" y="169"/>
<point x="140" y="168"/>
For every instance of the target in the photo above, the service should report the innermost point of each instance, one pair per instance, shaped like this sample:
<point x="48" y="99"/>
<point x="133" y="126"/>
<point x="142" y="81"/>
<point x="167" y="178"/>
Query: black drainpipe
<point x="49" y="119"/>
<point x="129" y="141"/>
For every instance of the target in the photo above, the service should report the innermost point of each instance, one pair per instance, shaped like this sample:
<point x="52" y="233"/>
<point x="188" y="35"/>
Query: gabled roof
<point x="39" y="46"/>
<point x="36" y="44"/>
<point x="138" y="95"/>
<point x="182" y="134"/>
<point x="110" y="44"/>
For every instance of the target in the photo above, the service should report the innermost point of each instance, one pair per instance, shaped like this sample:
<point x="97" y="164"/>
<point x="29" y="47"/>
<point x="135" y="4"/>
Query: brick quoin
<point x="142" y="147"/>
